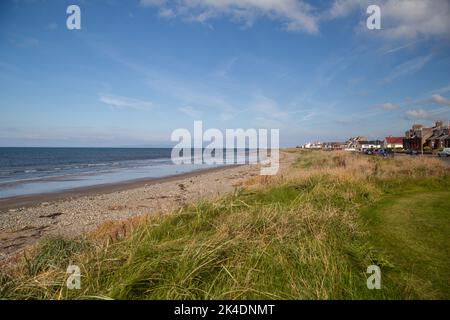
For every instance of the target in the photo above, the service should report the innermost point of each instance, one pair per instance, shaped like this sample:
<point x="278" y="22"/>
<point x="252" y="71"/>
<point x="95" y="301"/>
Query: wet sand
<point x="35" y="199"/>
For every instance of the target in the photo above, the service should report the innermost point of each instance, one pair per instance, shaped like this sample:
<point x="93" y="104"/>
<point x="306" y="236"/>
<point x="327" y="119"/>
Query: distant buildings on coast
<point x="418" y="138"/>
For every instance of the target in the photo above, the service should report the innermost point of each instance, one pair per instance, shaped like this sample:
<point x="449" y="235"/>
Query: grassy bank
<point x="412" y="231"/>
<point x="308" y="233"/>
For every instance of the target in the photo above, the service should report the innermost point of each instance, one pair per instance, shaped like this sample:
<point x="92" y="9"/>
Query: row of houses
<point x="416" y="138"/>
<point x="357" y="144"/>
<point x="435" y="137"/>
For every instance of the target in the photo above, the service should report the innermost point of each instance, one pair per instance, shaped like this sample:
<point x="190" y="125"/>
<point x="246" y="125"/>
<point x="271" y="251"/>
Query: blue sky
<point x="137" y="70"/>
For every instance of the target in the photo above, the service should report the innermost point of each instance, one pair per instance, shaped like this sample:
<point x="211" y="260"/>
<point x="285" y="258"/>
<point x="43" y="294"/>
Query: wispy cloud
<point x="268" y="113"/>
<point x="440" y="100"/>
<point x="124" y="102"/>
<point x="389" y="106"/>
<point x="173" y="85"/>
<point x="408" y="68"/>
<point x="191" y="94"/>
<point x="342" y="8"/>
<point x="190" y="111"/>
<point x="442" y="90"/>
<point x="418" y="114"/>
<point x="435" y="99"/>
<point x="401" y="19"/>
<point x="52" y="26"/>
<point x="295" y="15"/>
<point x="269" y="108"/>
<point x="24" y="42"/>
<point x="408" y="45"/>
<point x="225" y="68"/>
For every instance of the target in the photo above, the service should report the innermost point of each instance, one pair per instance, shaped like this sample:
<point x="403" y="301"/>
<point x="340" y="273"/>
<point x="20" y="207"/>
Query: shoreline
<point x="30" y="200"/>
<point x="26" y="219"/>
<point x="72" y="213"/>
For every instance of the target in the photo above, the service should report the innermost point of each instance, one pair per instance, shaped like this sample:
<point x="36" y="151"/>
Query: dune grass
<point x="308" y="233"/>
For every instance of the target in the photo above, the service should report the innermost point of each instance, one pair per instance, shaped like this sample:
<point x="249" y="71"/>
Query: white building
<point x="370" y="145"/>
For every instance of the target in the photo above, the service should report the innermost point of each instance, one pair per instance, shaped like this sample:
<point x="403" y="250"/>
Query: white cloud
<point x="124" y="102"/>
<point x="342" y="8"/>
<point x="413" y="18"/>
<point x="295" y="15"/>
<point x="166" y="13"/>
<point x="402" y="19"/>
<point x="389" y="106"/>
<point x="438" y="99"/>
<point x="420" y="114"/>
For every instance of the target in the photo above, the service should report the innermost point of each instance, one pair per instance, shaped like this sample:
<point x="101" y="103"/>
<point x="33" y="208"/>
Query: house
<point x="374" y="144"/>
<point x="333" y="145"/>
<point x="393" y="142"/>
<point x="439" y="138"/>
<point x="445" y="140"/>
<point x="416" y="137"/>
<point x="315" y="145"/>
<point x="354" y="143"/>
<point x="434" y="137"/>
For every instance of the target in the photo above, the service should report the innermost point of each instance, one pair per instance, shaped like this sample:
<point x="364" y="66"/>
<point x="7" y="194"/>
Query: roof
<point x="435" y="136"/>
<point x="394" y="140"/>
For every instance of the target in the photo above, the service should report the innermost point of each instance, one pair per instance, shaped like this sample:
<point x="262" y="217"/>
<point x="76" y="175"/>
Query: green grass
<point x="412" y="232"/>
<point x="309" y="236"/>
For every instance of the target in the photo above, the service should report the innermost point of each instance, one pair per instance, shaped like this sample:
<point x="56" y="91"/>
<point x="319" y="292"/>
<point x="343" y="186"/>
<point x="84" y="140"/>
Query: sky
<point x="139" y="69"/>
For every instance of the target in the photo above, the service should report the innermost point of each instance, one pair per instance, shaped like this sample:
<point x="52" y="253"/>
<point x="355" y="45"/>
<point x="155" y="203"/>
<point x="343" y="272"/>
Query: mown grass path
<point x="411" y="231"/>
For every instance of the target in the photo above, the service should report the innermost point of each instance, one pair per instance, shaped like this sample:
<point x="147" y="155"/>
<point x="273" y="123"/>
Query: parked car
<point x="444" y="153"/>
<point x="412" y="152"/>
<point x="369" y="151"/>
<point x="385" y="153"/>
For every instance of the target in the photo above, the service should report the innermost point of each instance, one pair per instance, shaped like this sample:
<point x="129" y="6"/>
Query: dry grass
<point x="296" y="235"/>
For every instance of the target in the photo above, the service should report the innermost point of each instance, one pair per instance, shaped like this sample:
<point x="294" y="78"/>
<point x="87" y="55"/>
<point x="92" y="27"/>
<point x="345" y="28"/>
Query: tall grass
<point x="297" y="235"/>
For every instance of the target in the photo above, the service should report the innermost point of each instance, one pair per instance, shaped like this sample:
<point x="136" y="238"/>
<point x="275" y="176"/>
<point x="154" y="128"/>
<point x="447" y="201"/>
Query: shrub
<point x="427" y="149"/>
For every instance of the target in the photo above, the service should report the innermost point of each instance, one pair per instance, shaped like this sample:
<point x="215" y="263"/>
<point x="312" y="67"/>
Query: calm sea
<point x="40" y="170"/>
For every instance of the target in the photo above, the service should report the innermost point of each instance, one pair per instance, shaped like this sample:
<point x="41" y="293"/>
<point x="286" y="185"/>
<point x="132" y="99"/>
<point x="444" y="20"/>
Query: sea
<point x="27" y="171"/>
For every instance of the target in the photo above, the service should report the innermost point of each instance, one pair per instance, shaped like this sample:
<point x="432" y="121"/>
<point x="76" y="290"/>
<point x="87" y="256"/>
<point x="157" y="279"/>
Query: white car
<point x="444" y="153"/>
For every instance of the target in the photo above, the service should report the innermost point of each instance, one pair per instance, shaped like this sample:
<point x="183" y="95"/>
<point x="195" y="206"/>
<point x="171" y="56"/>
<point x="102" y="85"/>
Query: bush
<point x="427" y="149"/>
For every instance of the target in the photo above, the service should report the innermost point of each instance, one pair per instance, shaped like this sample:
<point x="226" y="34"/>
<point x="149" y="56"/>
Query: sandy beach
<point x="24" y="220"/>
